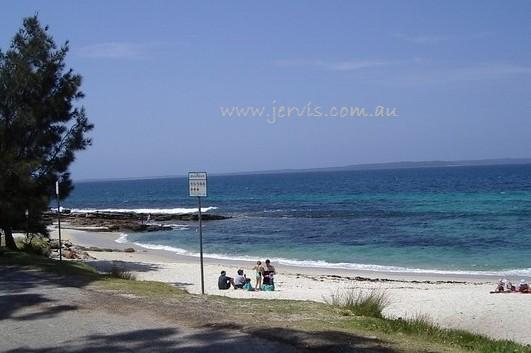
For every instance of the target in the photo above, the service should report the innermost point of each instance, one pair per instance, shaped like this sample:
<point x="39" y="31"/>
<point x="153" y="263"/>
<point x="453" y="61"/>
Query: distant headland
<point x="352" y="167"/>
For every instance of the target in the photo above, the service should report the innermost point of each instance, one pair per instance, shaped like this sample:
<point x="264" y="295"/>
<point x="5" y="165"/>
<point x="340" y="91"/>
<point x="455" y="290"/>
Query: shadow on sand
<point x="106" y="265"/>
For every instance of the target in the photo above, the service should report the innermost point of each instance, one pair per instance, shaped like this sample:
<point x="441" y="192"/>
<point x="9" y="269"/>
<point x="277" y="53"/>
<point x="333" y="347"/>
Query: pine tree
<point x="42" y="125"/>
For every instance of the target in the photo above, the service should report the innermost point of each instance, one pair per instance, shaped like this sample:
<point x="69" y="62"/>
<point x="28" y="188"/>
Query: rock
<point x="129" y="250"/>
<point x="128" y="221"/>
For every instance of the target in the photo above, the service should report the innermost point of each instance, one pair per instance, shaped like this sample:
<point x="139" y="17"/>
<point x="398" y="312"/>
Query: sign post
<point x="197" y="185"/>
<point x="26" y="213"/>
<point x="59" y="220"/>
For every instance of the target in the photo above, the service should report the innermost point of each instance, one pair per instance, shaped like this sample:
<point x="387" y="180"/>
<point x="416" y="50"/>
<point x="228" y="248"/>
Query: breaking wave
<point x="142" y="210"/>
<point x="524" y="272"/>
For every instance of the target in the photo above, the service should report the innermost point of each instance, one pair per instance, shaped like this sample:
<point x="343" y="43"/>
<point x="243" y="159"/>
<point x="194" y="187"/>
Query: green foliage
<point x="41" y="126"/>
<point x="362" y="303"/>
<point x="37" y="246"/>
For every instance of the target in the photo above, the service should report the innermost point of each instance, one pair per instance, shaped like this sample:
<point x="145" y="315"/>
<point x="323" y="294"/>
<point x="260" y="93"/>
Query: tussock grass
<point x="369" y="303"/>
<point x="422" y="327"/>
<point x="120" y="272"/>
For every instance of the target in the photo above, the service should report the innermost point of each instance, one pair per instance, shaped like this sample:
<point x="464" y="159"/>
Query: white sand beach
<point x="450" y="301"/>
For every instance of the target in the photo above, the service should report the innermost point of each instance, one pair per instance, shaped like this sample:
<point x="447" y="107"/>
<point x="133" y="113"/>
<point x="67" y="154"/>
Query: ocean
<point x="462" y="220"/>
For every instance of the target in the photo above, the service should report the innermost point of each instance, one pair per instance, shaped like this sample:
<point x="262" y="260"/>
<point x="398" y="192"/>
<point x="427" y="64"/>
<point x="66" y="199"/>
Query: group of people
<point x="505" y="286"/>
<point x="264" y="278"/>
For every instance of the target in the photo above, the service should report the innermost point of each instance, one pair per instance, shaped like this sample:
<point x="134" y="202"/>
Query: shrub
<point x="37" y="246"/>
<point x="118" y="271"/>
<point x="362" y="303"/>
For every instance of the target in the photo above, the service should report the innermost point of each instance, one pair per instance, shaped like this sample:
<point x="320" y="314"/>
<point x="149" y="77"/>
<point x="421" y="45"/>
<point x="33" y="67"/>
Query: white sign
<point x="197" y="184"/>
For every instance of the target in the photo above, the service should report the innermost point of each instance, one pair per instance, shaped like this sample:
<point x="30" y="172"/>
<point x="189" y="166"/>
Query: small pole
<point x="59" y="220"/>
<point x="27" y="224"/>
<point x="201" y="247"/>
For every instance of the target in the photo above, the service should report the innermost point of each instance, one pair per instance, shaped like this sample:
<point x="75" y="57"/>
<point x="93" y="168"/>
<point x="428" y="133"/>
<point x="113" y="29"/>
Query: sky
<point x="453" y="76"/>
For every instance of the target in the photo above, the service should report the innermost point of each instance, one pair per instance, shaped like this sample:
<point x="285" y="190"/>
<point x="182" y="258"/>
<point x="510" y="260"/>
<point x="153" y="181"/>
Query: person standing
<point x="268" y="274"/>
<point x="269" y="268"/>
<point x="258" y="274"/>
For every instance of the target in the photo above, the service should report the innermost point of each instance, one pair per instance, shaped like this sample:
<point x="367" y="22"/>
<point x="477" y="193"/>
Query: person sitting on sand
<point x="522" y="287"/>
<point x="500" y="287"/>
<point x="258" y="274"/>
<point x="239" y="280"/>
<point x="224" y="281"/>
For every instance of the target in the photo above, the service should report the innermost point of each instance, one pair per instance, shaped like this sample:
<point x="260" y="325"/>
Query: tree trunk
<point x="10" y="242"/>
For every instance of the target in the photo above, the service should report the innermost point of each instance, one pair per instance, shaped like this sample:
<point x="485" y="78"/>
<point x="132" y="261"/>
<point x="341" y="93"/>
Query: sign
<point x="197" y="184"/>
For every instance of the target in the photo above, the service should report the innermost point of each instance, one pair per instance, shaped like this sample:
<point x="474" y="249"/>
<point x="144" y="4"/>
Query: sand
<point x="459" y="302"/>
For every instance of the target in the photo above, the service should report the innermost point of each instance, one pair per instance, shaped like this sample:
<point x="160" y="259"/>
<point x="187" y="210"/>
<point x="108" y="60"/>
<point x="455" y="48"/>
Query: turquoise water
<point x="465" y="219"/>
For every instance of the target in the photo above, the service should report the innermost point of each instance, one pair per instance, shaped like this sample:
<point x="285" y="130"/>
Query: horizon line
<point x="353" y="167"/>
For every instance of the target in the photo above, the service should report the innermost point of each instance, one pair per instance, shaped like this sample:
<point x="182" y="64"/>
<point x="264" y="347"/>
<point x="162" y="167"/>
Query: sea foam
<point x="142" y="210"/>
<point x="122" y="239"/>
<point x="524" y="272"/>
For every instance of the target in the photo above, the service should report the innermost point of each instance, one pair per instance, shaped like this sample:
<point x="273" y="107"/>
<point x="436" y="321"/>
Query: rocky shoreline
<point x="127" y="221"/>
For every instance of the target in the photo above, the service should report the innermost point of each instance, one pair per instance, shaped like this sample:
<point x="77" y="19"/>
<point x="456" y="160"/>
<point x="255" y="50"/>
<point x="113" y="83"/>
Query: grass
<point x="422" y="327"/>
<point x="415" y="334"/>
<point x="361" y="303"/>
<point x="64" y="268"/>
<point x="141" y="288"/>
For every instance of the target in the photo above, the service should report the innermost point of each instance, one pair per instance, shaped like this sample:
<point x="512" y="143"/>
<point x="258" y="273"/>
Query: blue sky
<point x="156" y="73"/>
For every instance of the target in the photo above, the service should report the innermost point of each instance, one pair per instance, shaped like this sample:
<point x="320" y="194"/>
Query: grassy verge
<point x="409" y="335"/>
<point x="423" y="328"/>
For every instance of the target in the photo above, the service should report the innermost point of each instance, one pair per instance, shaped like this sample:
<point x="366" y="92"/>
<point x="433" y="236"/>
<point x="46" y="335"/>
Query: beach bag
<point x="268" y="287"/>
<point x="248" y="286"/>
